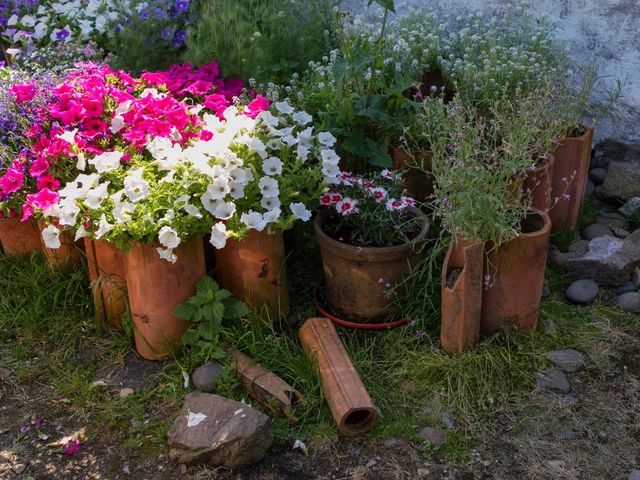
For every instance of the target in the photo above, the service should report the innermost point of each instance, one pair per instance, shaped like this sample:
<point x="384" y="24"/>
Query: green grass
<point x="46" y="321"/>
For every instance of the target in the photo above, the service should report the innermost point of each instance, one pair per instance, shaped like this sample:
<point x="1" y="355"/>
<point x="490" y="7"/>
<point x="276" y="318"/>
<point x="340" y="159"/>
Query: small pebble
<point x="620" y="232"/>
<point x="206" y="377"/>
<point x="553" y="380"/>
<point x="567" y="360"/>
<point x="447" y="420"/>
<point x="634" y="475"/>
<point x="436" y="436"/>
<point x="582" y="292"/>
<point x="126" y="392"/>
<point x="596" y="230"/>
<point x="598" y="175"/>
<point x="568" y="435"/>
<point x="630" y="302"/>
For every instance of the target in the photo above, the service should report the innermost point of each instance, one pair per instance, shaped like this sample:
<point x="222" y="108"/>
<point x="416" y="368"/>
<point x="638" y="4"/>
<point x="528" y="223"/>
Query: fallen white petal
<point x="195" y="419"/>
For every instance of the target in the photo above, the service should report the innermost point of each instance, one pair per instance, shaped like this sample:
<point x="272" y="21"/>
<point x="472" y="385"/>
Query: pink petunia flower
<point x="71" y="447"/>
<point x="11" y="181"/>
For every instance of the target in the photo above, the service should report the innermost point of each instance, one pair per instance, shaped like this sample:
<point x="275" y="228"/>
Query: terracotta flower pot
<point x="517" y="277"/>
<point x="254" y="271"/>
<point x="461" y="295"/>
<point x="572" y="160"/>
<point x="19" y="238"/>
<point x="67" y="255"/>
<point x="350" y="403"/>
<point x="358" y="278"/>
<point x="537" y="184"/>
<point x="417" y="181"/>
<point x="156" y="288"/>
<point x="108" y="281"/>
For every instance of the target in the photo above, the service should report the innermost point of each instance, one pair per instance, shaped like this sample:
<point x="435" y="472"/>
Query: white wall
<point x="607" y="30"/>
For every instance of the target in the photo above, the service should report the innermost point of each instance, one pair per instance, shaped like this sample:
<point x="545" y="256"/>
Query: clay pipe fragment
<point x="350" y="403"/>
<point x="264" y="386"/>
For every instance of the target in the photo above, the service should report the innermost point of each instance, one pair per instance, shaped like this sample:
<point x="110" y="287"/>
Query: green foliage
<point x="266" y="40"/>
<point x="206" y="310"/>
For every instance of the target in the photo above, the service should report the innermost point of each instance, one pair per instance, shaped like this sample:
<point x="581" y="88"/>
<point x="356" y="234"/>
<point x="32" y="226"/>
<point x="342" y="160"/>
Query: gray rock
<point x="568" y="435"/>
<point x="591" y="188"/>
<point x="556" y="258"/>
<point x="608" y="261"/>
<point x="620" y="232"/>
<point x="596" y="230"/>
<point x="4" y="373"/>
<point x="609" y="150"/>
<point x="630" y="302"/>
<point x="579" y="246"/>
<point x="626" y="288"/>
<point x="634" y="237"/>
<point x="582" y="291"/>
<point x="567" y="360"/>
<point x="634" y="475"/>
<point x="598" y="192"/>
<point x="447" y="420"/>
<point x="613" y="220"/>
<point x="631" y="208"/>
<point x="426" y="411"/>
<point x="598" y="175"/>
<point x="623" y="182"/>
<point x="435" y="436"/>
<point x="206" y="377"/>
<point x="553" y="380"/>
<point x="232" y="434"/>
<point x="546" y="290"/>
<point x="635" y="277"/>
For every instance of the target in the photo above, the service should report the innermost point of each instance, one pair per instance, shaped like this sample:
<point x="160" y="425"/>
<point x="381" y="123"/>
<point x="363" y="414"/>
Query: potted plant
<point x="286" y="165"/>
<point x="474" y="167"/>
<point x="369" y="236"/>
<point x="22" y="94"/>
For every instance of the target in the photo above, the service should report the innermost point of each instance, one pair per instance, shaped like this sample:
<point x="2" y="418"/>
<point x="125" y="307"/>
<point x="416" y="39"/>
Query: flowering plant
<point x="370" y="212"/>
<point x="22" y="95"/>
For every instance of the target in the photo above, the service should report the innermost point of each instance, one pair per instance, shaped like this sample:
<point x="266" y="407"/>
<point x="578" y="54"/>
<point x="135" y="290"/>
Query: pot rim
<point x="543" y="167"/>
<point x="363" y="253"/>
<point x="588" y="131"/>
<point x="545" y="227"/>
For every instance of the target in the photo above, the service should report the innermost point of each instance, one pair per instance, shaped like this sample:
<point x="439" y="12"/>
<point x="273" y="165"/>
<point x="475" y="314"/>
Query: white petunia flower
<point x="326" y="139"/>
<point x="269" y="203"/>
<point x="305" y="136"/>
<point x="117" y="124"/>
<point x="284" y="107"/>
<point x="302" y="118"/>
<point x="81" y="232"/>
<point x="219" y="235"/>
<point x="253" y="220"/>
<point x="168" y="237"/>
<point x="51" y="237"/>
<point x="123" y="212"/>
<point x="192" y="210"/>
<point x="224" y="210"/>
<point x="256" y="145"/>
<point x="95" y="196"/>
<point x="303" y="153"/>
<point x="107" y="161"/>
<point x="135" y="187"/>
<point x="104" y="227"/>
<point x="272" y="216"/>
<point x="330" y="157"/>
<point x="268" y="187"/>
<point x="68" y="136"/>
<point x="236" y="190"/>
<point x="300" y="211"/>
<point x="81" y="163"/>
<point x="272" y="166"/>
<point x="167" y="254"/>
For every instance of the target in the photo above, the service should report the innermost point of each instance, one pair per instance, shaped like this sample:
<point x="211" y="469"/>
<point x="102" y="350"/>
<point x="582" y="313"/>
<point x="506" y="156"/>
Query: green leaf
<point x="213" y="311"/>
<point x="386" y="4"/>
<point x="186" y="311"/>
<point x="190" y="337"/>
<point x="235" y="309"/>
<point x="206" y="284"/>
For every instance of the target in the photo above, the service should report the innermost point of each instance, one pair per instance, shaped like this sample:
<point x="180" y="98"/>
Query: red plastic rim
<point x="357" y="325"/>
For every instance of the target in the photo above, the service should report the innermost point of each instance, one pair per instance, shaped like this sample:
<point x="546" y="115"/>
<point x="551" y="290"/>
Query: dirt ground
<point x="594" y="433"/>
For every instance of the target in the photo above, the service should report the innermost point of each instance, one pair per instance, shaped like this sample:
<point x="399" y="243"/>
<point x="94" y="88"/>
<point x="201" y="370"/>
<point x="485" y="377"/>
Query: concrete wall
<point x="607" y="30"/>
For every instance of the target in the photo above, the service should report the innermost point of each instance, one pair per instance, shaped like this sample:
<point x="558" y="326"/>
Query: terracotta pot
<point x="350" y="403"/>
<point x="19" y="238"/>
<point x="417" y="181"/>
<point x="461" y="295"/>
<point x="537" y="184"/>
<point x="254" y="271"/>
<point x="517" y="277"/>
<point x="357" y="278"/>
<point x="108" y="284"/>
<point x="156" y="288"/>
<point x="67" y="255"/>
<point x="573" y="155"/>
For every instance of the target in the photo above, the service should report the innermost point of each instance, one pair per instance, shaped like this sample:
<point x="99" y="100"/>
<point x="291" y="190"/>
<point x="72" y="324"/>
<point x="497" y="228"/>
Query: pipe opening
<point x="359" y="421"/>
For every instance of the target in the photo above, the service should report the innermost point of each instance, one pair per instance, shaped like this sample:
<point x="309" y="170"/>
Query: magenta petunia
<point x="257" y="106"/>
<point x="44" y="199"/>
<point x="11" y="181"/>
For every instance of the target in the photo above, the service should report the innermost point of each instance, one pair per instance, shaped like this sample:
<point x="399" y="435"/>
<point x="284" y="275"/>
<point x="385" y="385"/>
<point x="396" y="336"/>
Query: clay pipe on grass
<point x="350" y="403"/>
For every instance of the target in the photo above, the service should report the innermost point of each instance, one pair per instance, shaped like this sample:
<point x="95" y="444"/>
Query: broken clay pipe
<point x="265" y="387"/>
<point x="350" y="403"/>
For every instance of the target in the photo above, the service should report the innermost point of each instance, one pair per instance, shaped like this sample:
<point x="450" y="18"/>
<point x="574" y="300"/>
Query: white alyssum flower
<point x="300" y="211"/>
<point x="253" y="220"/>
<point x="168" y="237"/>
<point x="135" y="187"/>
<point x="219" y="235"/>
<point x="51" y="237"/>
<point x="107" y="161"/>
<point x="272" y="166"/>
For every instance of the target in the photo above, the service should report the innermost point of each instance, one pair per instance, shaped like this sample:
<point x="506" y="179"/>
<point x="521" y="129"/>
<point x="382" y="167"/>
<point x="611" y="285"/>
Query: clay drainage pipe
<point x="350" y="403"/>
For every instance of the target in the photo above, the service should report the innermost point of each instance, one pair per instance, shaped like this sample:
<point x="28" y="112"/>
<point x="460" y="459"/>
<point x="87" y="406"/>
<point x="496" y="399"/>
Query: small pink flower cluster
<point x="363" y="190"/>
